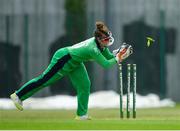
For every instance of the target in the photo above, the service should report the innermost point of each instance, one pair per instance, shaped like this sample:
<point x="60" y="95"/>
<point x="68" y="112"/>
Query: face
<point x="106" y="40"/>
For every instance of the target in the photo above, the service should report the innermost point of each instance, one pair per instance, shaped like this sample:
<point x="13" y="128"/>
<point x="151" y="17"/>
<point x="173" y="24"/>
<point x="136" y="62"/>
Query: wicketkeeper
<point x="69" y="61"/>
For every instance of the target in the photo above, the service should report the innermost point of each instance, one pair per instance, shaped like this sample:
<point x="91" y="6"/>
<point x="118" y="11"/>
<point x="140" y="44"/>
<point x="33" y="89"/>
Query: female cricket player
<point x="69" y="61"/>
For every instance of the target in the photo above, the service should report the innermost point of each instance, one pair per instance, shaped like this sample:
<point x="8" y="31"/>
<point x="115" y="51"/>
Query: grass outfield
<point x="161" y="118"/>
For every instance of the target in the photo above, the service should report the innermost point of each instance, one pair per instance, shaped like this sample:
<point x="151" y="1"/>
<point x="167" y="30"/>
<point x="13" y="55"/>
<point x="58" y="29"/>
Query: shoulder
<point x="93" y="47"/>
<point x="90" y="40"/>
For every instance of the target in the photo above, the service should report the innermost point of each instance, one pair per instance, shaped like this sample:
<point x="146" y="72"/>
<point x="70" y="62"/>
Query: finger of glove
<point x="124" y="56"/>
<point x="115" y="51"/>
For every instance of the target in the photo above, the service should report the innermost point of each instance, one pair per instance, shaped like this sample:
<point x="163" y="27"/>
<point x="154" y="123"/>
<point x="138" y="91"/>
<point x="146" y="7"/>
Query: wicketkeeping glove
<point x="123" y="52"/>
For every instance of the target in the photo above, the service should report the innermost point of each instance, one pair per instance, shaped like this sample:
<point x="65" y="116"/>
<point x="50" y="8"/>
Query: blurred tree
<point x="75" y="19"/>
<point x="75" y="26"/>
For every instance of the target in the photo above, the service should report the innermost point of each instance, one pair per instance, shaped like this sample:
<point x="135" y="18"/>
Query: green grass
<point x="103" y="119"/>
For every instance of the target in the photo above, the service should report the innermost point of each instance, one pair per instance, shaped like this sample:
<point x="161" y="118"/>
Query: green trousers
<point x="61" y="64"/>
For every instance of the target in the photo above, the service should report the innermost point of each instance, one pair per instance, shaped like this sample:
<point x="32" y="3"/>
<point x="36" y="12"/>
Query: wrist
<point x="118" y="59"/>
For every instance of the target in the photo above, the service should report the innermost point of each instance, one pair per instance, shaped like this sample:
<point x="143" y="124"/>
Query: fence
<point x="34" y="34"/>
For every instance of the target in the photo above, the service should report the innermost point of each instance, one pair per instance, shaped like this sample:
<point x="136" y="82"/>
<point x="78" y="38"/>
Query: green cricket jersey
<point x="88" y="50"/>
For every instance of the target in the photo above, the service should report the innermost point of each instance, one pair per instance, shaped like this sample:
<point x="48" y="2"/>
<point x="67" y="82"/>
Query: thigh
<point x="53" y="79"/>
<point x="79" y="78"/>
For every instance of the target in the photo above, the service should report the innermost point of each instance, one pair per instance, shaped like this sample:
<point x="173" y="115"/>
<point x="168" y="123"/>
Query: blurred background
<point x="32" y="30"/>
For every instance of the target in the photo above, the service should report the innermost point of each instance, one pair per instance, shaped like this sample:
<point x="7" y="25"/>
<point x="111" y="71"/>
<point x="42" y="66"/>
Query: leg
<point x="49" y="76"/>
<point x="24" y="92"/>
<point x="80" y="80"/>
<point x="17" y="100"/>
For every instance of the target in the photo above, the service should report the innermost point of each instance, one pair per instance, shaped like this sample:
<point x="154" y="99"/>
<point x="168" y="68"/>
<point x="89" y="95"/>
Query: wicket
<point x="128" y="90"/>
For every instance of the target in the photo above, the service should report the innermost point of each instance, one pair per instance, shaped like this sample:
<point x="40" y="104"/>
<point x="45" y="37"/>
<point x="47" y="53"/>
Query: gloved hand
<point x="123" y="52"/>
<point x="117" y="50"/>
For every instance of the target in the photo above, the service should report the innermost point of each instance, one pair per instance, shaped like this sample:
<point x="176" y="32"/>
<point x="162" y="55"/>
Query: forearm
<point x="107" y="54"/>
<point x="104" y="62"/>
<point x="110" y="63"/>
